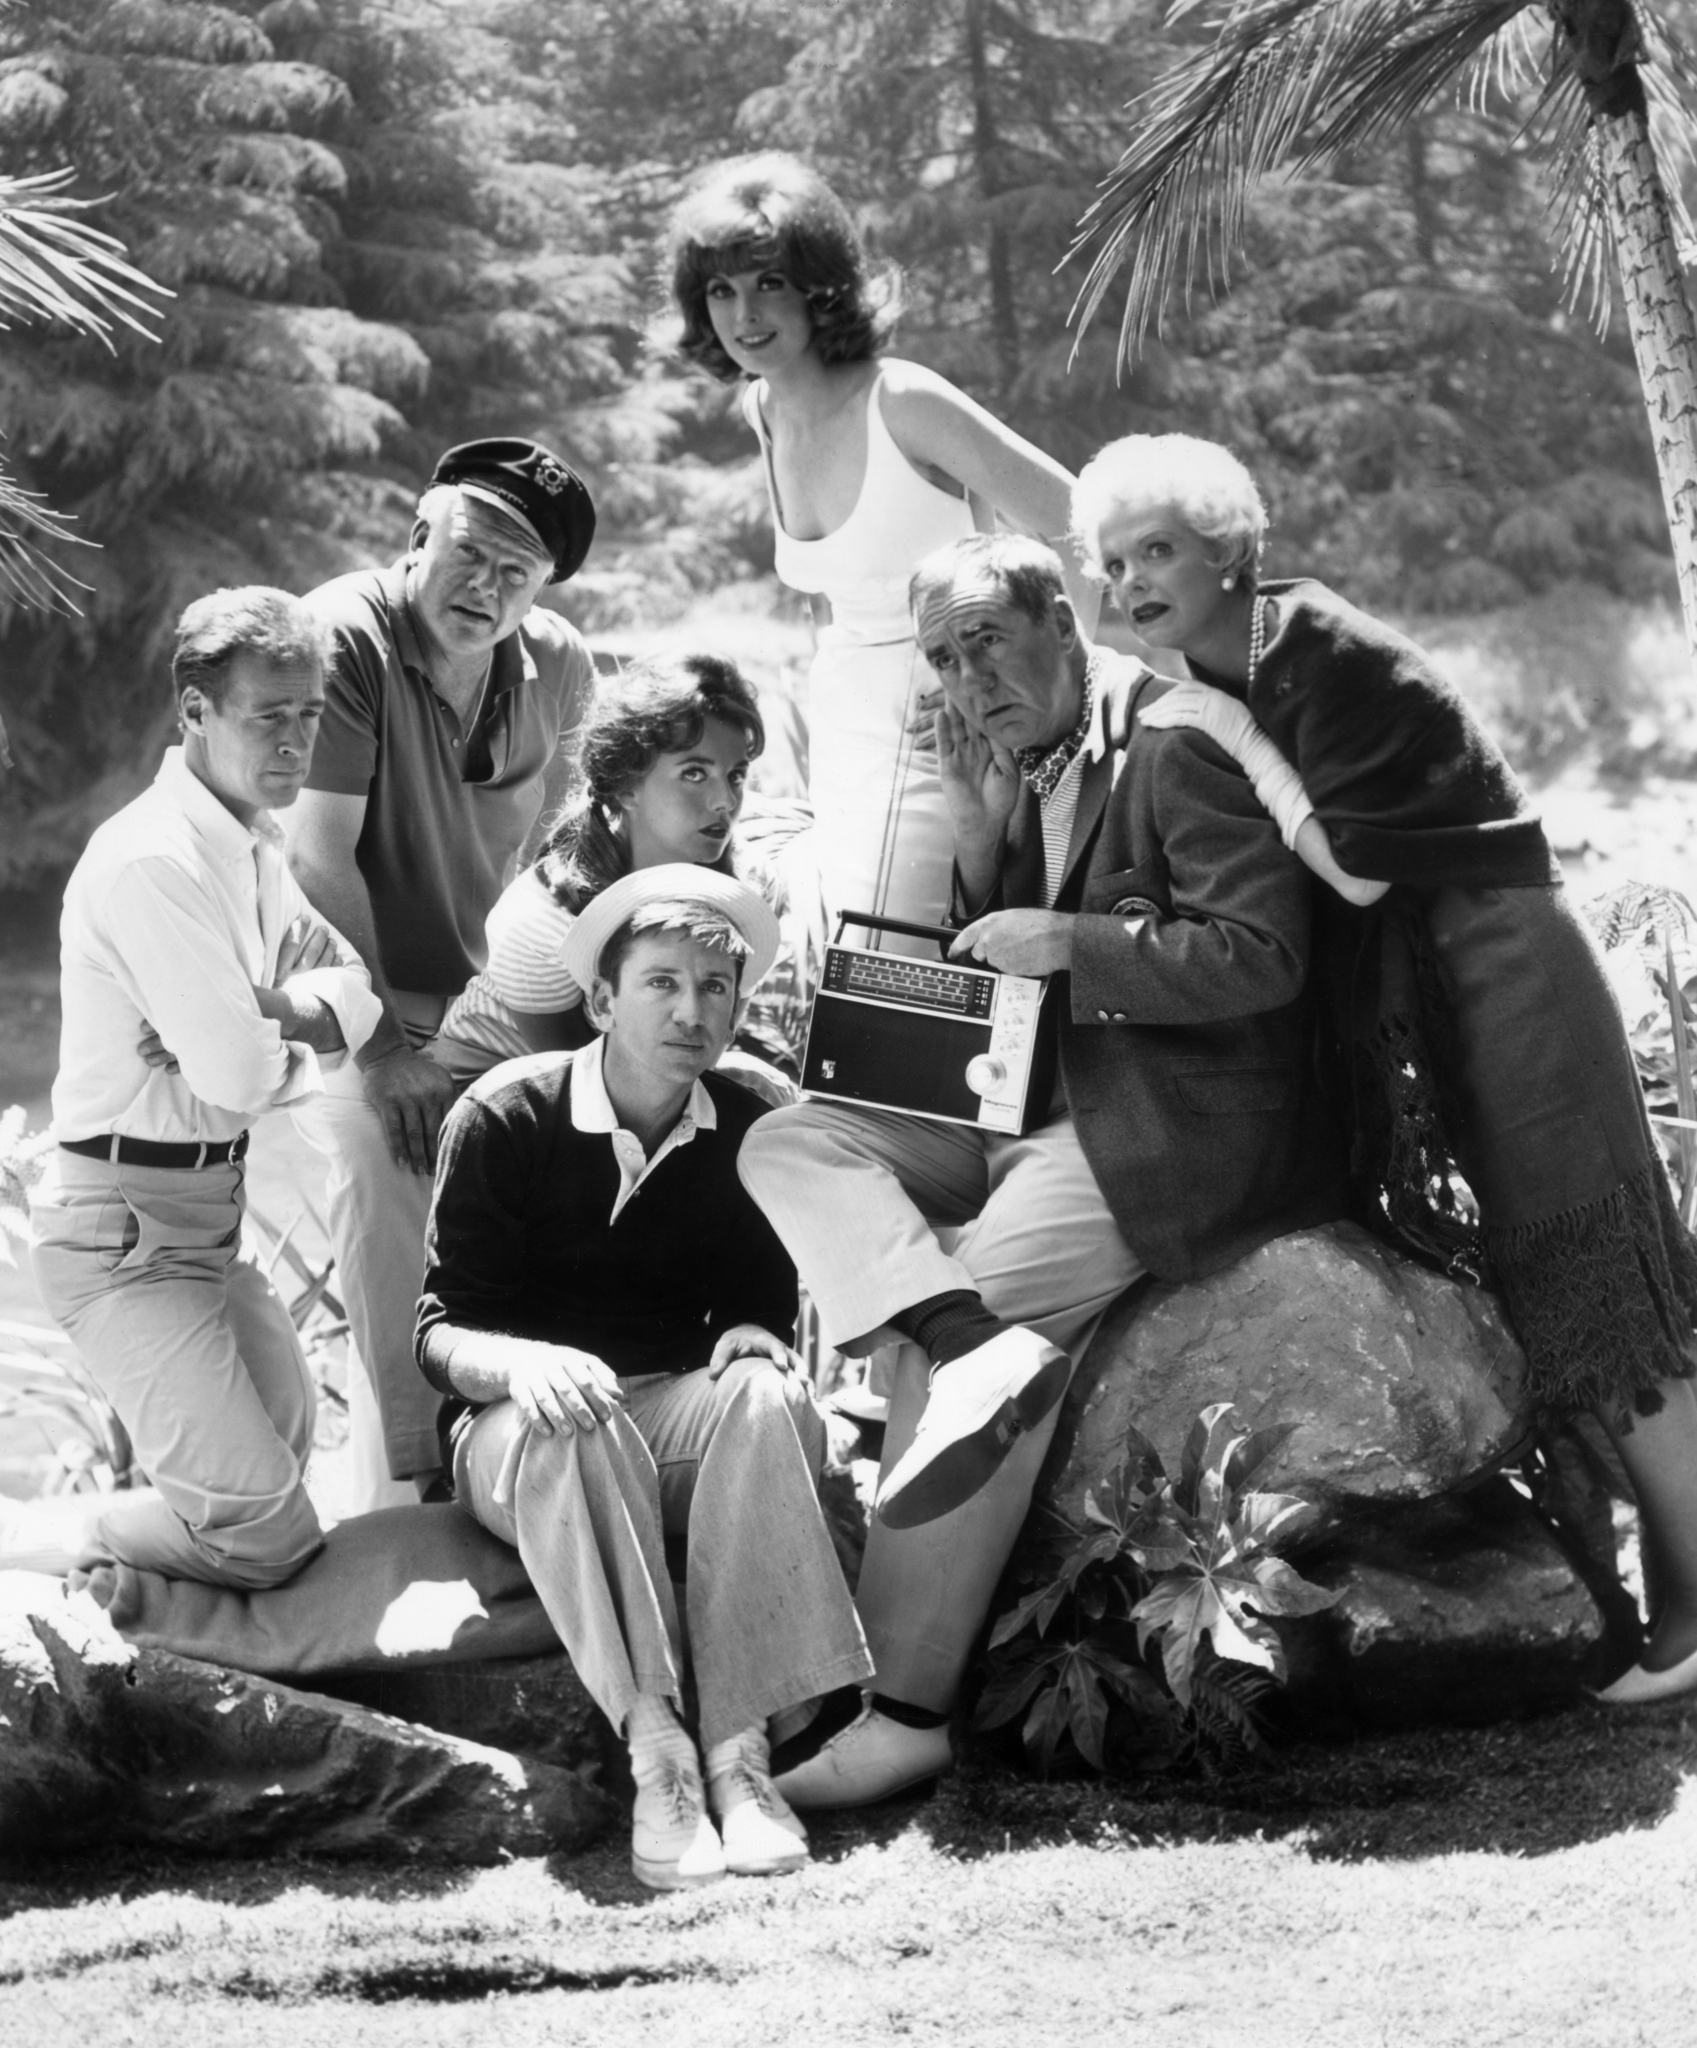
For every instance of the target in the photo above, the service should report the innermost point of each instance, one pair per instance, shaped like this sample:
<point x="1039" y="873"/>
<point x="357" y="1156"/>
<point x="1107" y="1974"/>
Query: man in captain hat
<point x="451" y="699"/>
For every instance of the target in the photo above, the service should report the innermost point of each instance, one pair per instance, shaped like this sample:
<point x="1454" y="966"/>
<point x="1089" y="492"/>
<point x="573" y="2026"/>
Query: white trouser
<point x="377" y="1214"/>
<point x="855" y="1195"/>
<point x="728" y="1468"/>
<point x="142" y="1266"/>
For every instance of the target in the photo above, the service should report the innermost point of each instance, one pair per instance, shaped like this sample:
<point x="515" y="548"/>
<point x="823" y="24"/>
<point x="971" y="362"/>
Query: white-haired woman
<point x="1474" y="1022"/>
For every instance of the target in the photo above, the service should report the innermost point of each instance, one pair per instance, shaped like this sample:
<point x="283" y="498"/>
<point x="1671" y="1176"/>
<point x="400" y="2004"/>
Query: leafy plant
<point x="91" y="1451"/>
<point x="1190" y="1564"/>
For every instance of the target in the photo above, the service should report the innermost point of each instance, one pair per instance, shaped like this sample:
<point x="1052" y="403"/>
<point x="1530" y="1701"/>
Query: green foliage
<point x="1435" y="433"/>
<point x="391" y="225"/>
<point x="1190" y="1564"/>
<point x="972" y="133"/>
<point x="375" y="254"/>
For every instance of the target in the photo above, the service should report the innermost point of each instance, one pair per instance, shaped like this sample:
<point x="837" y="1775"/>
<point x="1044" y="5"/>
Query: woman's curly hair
<point x="653" y="708"/>
<point x="772" y="211"/>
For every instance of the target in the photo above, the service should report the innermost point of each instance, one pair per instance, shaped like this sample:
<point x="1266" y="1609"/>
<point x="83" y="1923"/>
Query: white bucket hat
<point x="673" y="882"/>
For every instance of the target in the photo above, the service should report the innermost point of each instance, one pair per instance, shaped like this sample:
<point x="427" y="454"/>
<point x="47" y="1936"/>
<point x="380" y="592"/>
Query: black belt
<point x="146" y="1152"/>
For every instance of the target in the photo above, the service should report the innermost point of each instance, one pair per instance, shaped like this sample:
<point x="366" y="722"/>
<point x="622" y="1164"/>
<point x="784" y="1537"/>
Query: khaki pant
<point x="730" y="1466"/>
<point x="143" y="1269"/>
<point x="881" y="1211"/>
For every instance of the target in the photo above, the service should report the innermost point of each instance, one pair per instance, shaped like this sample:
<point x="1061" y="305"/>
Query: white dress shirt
<point x="175" y="911"/>
<point x="592" y="1110"/>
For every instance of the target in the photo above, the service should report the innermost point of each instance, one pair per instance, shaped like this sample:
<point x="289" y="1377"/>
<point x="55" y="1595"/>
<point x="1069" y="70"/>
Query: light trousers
<point x="377" y="1214"/>
<point x="882" y="1211"/>
<point x="730" y="1466"/>
<point x="143" y="1269"/>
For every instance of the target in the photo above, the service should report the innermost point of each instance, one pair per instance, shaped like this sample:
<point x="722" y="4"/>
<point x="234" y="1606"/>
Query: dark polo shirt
<point x="446" y="810"/>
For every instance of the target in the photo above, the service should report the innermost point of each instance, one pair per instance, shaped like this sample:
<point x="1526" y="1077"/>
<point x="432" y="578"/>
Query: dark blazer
<point x="1184" y="1028"/>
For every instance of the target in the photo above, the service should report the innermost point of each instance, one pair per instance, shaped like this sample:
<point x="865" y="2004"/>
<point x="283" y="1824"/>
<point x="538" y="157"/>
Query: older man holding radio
<point x="1144" y="879"/>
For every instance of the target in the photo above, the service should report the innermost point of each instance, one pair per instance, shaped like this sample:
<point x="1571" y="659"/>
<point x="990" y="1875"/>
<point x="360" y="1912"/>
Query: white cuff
<point x="348" y="994"/>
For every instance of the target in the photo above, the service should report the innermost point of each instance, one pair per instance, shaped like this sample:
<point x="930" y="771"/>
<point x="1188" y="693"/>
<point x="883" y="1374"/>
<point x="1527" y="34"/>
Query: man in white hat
<point x="608" y="1312"/>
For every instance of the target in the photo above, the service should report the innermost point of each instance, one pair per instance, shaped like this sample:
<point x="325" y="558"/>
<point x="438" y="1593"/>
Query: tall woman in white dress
<point x="871" y="464"/>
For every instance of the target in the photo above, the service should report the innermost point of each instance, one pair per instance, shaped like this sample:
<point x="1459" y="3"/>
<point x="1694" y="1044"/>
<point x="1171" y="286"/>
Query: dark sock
<point x="908" y="1716"/>
<point x="946" y="1326"/>
<point x="836" y="1710"/>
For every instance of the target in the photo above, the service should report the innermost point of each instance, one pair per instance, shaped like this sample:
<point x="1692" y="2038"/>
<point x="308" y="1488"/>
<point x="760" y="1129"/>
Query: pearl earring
<point x="1226" y="582"/>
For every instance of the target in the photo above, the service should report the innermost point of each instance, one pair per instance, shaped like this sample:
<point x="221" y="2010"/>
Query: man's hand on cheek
<point x="1034" y="942"/>
<point x="980" y="778"/>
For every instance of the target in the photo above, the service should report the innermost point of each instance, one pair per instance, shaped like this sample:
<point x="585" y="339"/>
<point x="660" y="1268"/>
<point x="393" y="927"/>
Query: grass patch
<point x="1532" y="1882"/>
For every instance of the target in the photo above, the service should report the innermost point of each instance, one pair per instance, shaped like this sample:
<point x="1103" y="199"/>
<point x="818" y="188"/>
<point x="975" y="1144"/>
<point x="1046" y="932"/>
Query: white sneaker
<point x="673" y="1843"/>
<point x="761" y="1834"/>
<point x="872" y="1758"/>
<point x="981" y="1404"/>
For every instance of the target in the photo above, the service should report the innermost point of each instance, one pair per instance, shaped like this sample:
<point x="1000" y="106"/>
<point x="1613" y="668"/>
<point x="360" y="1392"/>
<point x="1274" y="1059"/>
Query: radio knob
<point x="985" y="1073"/>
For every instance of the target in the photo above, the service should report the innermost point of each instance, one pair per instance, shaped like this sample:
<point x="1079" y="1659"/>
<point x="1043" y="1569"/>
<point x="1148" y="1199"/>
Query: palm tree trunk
<point x="1601" y="38"/>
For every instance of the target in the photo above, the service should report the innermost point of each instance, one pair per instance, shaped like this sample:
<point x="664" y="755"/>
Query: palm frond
<point x="1285" y="82"/>
<point x="1560" y="126"/>
<point x="31" y="580"/>
<point x="56" y="267"/>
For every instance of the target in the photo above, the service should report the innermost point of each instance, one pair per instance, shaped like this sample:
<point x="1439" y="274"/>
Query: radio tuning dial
<point x="985" y="1073"/>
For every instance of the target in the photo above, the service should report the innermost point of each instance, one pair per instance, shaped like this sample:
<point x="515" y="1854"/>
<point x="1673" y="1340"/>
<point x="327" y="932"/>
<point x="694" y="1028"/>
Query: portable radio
<point x="937" y="1039"/>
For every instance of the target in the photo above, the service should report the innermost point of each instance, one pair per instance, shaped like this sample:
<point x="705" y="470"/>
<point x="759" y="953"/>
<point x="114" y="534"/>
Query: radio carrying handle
<point x="941" y="933"/>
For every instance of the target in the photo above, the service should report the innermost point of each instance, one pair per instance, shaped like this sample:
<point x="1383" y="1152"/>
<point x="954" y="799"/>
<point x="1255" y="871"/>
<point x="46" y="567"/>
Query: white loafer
<point x="872" y="1758"/>
<point x="981" y="1404"/>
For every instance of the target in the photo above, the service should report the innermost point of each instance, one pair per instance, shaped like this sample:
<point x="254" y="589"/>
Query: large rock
<point x="104" y="1742"/>
<point x="1455" y="1610"/>
<point x="534" y="1706"/>
<point x="1399" y="1384"/>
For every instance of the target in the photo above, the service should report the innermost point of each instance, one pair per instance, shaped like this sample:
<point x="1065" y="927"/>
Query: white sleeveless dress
<point x="883" y="838"/>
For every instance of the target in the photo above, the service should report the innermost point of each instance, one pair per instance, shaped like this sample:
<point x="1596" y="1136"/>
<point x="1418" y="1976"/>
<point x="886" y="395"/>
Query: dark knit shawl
<point x="1407" y="786"/>
<point x="1473" y="1027"/>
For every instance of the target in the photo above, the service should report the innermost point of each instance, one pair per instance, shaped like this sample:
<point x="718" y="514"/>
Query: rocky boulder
<point x="1464" y="1609"/>
<point x="1403" y="1393"/>
<point x="1398" y="1384"/>
<point x="104" y="1742"/>
<point x="535" y="1707"/>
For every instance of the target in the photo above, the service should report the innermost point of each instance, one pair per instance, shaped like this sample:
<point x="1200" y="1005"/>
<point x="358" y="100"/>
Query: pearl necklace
<point x="1257" y="639"/>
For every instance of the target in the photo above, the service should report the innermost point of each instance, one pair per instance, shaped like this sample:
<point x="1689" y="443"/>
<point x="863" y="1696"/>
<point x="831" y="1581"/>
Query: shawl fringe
<point x="1603" y="1298"/>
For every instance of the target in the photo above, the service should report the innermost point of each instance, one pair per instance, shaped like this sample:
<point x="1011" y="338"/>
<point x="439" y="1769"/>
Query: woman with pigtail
<point x="1473" y="1021"/>
<point x="665" y="754"/>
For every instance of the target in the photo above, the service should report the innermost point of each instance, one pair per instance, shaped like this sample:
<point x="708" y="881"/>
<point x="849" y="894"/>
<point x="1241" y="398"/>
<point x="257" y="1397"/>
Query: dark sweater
<point x="520" y="1240"/>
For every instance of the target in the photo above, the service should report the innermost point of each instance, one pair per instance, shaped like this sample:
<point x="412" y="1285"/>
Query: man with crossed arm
<point x="189" y="1009"/>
